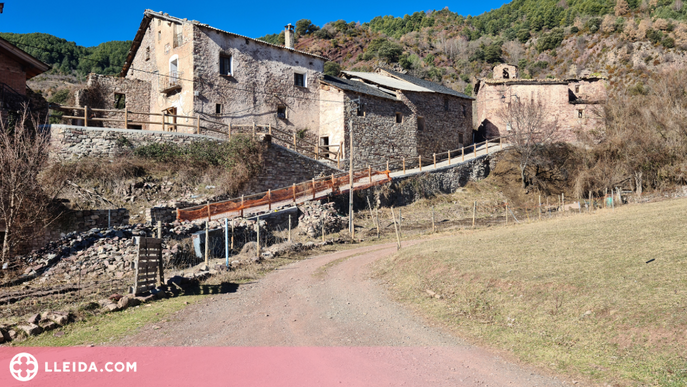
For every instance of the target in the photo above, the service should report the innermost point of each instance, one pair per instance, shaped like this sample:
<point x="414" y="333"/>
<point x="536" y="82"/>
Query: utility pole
<point x="351" y="228"/>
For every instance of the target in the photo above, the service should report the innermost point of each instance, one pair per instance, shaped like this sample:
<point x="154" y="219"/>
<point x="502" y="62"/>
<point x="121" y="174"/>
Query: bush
<point x="383" y="49"/>
<point x="574" y="30"/>
<point x="668" y="42"/>
<point x="654" y="36"/>
<point x="551" y="40"/>
<point x="524" y="35"/>
<point x="332" y="68"/>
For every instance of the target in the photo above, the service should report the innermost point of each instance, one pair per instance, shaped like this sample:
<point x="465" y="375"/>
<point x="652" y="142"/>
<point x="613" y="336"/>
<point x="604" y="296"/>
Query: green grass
<point x="572" y="294"/>
<point x="106" y="328"/>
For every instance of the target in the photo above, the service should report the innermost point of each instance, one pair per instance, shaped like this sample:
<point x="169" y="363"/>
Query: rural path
<point x="332" y="301"/>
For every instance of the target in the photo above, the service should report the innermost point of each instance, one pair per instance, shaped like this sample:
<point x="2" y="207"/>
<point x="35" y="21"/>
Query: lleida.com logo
<point x="24" y="367"/>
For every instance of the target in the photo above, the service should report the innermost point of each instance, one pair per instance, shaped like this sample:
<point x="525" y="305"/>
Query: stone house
<point x="574" y="103"/>
<point x="183" y="67"/>
<point x="393" y="115"/>
<point x="16" y="67"/>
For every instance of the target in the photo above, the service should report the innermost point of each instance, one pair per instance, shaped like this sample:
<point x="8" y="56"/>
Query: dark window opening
<point x="148" y="53"/>
<point x="359" y="112"/>
<point x="120" y="101"/>
<point x="506" y="75"/>
<point x="446" y="104"/>
<point x="138" y="127"/>
<point x="225" y="65"/>
<point x="159" y="36"/>
<point x="464" y="111"/>
<point x="281" y="112"/>
<point x="218" y="108"/>
<point x="299" y="79"/>
<point x="579" y="114"/>
<point x="421" y="124"/>
<point x="577" y="88"/>
<point x="460" y="138"/>
<point x="324" y="143"/>
<point x="399" y="118"/>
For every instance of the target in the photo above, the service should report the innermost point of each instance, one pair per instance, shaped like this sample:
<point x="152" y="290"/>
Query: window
<point x="299" y="79"/>
<point x="399" y="118"/>
<point x="324" y="142"/>
<point x="281" y="112"/>
<point x="460" y="138"/>
<point x="577" y="89"/>
<point x="579" y="114"/>
<point x="119" y="101"/>
<point x="178" y="37"/>
<point x="445" y="104"/>
<point x="159" y="36"/>
<point x="506" y="75"/>
<point x="148" y="53"/>
<point x="218" y="108"/>
<point x="465" y="114"/>
<point x="225" y="65"/>
<point x="420" y="123"/>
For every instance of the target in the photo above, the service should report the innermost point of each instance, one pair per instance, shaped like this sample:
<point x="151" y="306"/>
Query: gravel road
<point x="307" y="305"/>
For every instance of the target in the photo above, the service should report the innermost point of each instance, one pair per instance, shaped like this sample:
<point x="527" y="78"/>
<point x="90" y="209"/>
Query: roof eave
<point x="136" y="44"/>
<point x="37" y="67"/>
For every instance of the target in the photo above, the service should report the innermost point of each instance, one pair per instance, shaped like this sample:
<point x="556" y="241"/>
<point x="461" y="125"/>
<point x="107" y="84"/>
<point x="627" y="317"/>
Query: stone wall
<point x="261" y="80"/>
<point x="100" y="92"/>
<point x="77" y="141"/>
<point x="283" y="167"/>
<point x="447" y="121"/>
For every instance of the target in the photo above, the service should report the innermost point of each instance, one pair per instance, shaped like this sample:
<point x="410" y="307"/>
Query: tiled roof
<point x="356" y="86"/>
<point x="433" y="86"/>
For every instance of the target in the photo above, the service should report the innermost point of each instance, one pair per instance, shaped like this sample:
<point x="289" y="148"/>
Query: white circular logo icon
<point x="24" y="367"/>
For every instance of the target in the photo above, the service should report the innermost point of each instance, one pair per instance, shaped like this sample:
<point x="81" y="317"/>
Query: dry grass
<point x="572" y="294"/>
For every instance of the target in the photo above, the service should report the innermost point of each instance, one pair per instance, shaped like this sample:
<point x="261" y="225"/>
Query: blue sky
<point x="89" y="23"/>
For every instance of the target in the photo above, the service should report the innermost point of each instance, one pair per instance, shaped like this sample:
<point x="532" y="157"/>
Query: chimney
<point x="288" y="36"/>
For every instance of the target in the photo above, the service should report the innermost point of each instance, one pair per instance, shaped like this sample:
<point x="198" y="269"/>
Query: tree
<point x="305" y="27"/>
<point x="621" y="8"/>
<point x="529" y="129"/>
<point x="24" y="200"/>
<point x="332" y="68"/>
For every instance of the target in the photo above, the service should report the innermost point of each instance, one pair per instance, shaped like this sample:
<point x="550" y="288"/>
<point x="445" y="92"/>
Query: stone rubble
<point x="316" y="215"/>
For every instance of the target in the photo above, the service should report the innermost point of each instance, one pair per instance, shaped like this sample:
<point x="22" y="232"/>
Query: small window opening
<point x="299" y="79"/>
<point x="148" y="53"/>
<point x="225" y="65"/>
<point x="506" y="75"/>
<point x="119" y="101"/>
<point x="159" y="36"/>
<point x="399" y="118"/>
<point x="460" y="138"/>
<point x="579" y="114"/>
<point x="577" y="88"/>
<point x="464" y="111"/>
<point x="420" y="123"/>
<point x="281" y="112"/>
<point x="178" y="37"/>
<point x="218" y="108"/>
<point x="324" y="143"/>
<point x="446" y="104"/>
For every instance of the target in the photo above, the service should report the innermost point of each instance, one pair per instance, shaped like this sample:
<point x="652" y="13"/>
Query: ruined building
<point x="574" y="103"/>
<point x="393" y="115"/>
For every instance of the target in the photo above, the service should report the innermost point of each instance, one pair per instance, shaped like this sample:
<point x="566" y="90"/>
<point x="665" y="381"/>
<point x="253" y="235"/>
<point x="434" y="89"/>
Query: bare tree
<point x="24" y="203"/>
<point x="529" y="127"/>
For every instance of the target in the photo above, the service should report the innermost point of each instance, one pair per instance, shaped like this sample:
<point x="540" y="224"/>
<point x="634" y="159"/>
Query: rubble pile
<point x="317" y="216"/>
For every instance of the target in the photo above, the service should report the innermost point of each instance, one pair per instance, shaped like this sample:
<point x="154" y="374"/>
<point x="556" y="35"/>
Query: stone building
<point x="574" y="103"/>
<point x="16" y="67"/>
<point x="393" y="115"/>
<point x="183" y="67"/>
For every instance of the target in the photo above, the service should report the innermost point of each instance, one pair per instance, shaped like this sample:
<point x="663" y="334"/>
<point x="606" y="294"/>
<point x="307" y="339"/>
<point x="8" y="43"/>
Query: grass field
<point x="573" y="294"/>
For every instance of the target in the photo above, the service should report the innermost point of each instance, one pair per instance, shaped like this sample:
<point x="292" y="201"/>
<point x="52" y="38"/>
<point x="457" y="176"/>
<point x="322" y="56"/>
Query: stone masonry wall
<point x="100" y="93"/>
<point x="448" y="121"/>
<point x="77" y="141"/>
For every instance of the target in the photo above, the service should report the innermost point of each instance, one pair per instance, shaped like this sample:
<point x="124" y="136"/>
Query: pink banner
<point x="227" y="366"/>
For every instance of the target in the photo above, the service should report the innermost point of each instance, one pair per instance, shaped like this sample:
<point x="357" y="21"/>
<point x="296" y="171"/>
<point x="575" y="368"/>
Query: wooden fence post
<point x="398" y="237"/>
<point x="449" y="157"/>
<point x="294" y="141"/>
<point x="462" y="153"/>
<point x="126" y="118"/>
<point x="85" y="116"/>
<point x="270" y="128"/>
<point x="198" y="125"/>
<point x="242" y="206"/>
<point x="338" y="158"/>
<point x="230" y="131"/>
<point x="164" y="122"/>
<point x="387" y="164"/>
<point x="269" y="200"/>
<point x="486" y="144"/>
<point x="419" y="161"/>
<point x="369" y="173"/>
<point x="474" y="150"/>
<point x="294" y="192"/>
<point x="404" y="165"/>
<point x="313" y="189"/>
<point x="435" y="161"/>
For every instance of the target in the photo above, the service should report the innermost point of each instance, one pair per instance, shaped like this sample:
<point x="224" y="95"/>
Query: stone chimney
<point x="288" y="36"/>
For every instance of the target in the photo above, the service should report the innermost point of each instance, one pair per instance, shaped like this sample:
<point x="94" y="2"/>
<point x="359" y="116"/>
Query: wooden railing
<point x="170" y="122"/>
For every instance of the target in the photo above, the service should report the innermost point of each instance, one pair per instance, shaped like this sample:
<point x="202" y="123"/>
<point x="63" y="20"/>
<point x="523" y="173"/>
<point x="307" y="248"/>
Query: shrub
<point x="523" y="35"/>
<point x="668" y="42"/>
<point x="332" y="68"/>
<point x="551" y="40"/>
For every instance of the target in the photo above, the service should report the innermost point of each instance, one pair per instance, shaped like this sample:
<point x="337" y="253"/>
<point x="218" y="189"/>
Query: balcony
<point x="170" y="82"/>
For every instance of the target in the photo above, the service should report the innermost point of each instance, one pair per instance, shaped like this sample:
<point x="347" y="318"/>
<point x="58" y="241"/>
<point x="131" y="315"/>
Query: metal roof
<point x="433" y="86"/>
<point x="357" y="87"/>
<point x="392" y="83"/>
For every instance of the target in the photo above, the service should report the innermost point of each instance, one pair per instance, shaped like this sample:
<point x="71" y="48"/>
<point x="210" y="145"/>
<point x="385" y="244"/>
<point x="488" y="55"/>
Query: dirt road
<point x="331" y="301"/>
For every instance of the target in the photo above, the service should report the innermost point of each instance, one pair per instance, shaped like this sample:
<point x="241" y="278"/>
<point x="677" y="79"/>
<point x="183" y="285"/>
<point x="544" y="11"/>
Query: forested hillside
<point x="624" y="39"/>
<point x="68" y="58"/>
